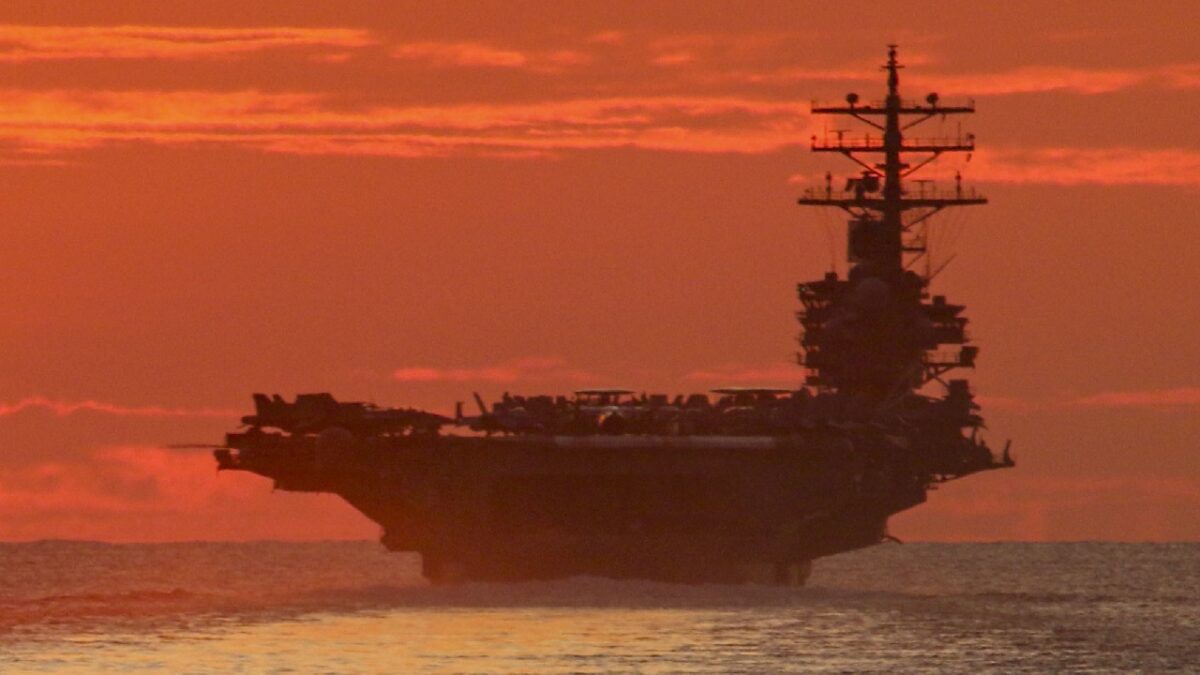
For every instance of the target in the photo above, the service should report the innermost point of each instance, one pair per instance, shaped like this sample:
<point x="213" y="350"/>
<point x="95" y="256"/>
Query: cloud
<point x="789" y="375"/>
<point x="1178" y="397"/>
<point x="1080" y="166"/>
<point x="72" y="407"/>
<point x="1036" y="79"/>
<point x="730" y="47"/>
<point x="514" y="371"/>
<point x="1008" y="403"/>
<point x="48" y="122"/>
<point x="1182" y="76"/>
<point x="53" y="43"/>
<point x="136" y="493"/>
<point x="51" y="125"/>
<point x="481" y="55"/>
<point x="460" y="54"/>
<point x="673" y="59"/>
<point x="1084" y="81"/>
<point x="1032" y="79"/>
<point x="608" y="37"/>
<point x="1018" y="506"/>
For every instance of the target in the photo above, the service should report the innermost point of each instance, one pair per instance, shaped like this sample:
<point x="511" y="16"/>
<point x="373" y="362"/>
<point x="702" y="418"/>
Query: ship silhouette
<point x="749" y="484"/>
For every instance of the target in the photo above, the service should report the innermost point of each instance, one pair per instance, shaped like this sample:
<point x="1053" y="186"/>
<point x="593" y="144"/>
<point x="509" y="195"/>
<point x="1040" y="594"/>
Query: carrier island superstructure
<point x="749" y="484"/>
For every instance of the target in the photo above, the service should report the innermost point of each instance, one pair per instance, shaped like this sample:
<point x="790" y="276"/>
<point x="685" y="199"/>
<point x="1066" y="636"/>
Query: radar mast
<point x="872" y="333"/>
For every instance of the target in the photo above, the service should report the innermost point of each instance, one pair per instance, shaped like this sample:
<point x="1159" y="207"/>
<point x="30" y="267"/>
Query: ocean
<point x="352" y="607"/>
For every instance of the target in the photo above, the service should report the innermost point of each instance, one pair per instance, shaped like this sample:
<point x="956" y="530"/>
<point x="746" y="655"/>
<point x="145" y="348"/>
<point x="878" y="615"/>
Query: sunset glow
<point x="406" y="204"/>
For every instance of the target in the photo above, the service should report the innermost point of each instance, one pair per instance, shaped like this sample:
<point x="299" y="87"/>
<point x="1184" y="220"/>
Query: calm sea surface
<point x="339" y="607"/>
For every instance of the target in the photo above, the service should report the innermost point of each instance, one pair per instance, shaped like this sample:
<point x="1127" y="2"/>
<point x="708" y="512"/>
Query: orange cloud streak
<point x="517" y="370"/>
<point x="1160" y="398"/>
<point x="50" y="43"/>
<point x="1022" y="80"/>
<point x="1051" y="508"/>
<point x="481" y="55"/>
<point x="1036" y="79"/>
<point x="782" y="374"/>
<point x="129" y="493"/>
<point x="461" y="54"/>
<point x="1079" y="166"/>
<point x="72" y="407"/>
<point x="46" y="122"/>
<point x="1164" y="399"/>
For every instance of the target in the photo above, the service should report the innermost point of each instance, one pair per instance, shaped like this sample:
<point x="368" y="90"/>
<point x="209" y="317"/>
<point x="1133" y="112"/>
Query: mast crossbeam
<point x="845" y="200"/>
<point x="870" y="144"/>
<point x="882" y="109"/>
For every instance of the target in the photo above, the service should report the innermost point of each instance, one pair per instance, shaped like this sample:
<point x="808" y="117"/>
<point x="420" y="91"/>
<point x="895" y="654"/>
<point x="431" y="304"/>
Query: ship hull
<point x="689" y="509"/>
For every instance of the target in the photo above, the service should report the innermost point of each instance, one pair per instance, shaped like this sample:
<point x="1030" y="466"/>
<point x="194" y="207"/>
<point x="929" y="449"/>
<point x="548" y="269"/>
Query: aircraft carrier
<point x="736" y="485"/>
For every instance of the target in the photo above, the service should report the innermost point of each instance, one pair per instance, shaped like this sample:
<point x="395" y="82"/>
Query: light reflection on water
<point x="332" y="607"/>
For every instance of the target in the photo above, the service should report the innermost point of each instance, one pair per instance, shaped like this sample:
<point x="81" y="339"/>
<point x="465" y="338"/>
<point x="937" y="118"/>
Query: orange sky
<point x="204" y="200"/>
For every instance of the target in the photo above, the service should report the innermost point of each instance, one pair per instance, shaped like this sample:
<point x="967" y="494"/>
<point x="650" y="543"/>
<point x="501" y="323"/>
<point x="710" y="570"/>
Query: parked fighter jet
<point x="508" y="416"/>
<point x="311" y="413"/>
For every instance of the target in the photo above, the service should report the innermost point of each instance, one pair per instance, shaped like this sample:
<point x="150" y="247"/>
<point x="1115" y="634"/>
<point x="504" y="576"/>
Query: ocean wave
<point x="71" y="582"/>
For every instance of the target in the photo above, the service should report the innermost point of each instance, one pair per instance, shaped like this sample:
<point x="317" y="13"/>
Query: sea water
<point x="352" y="607"/>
